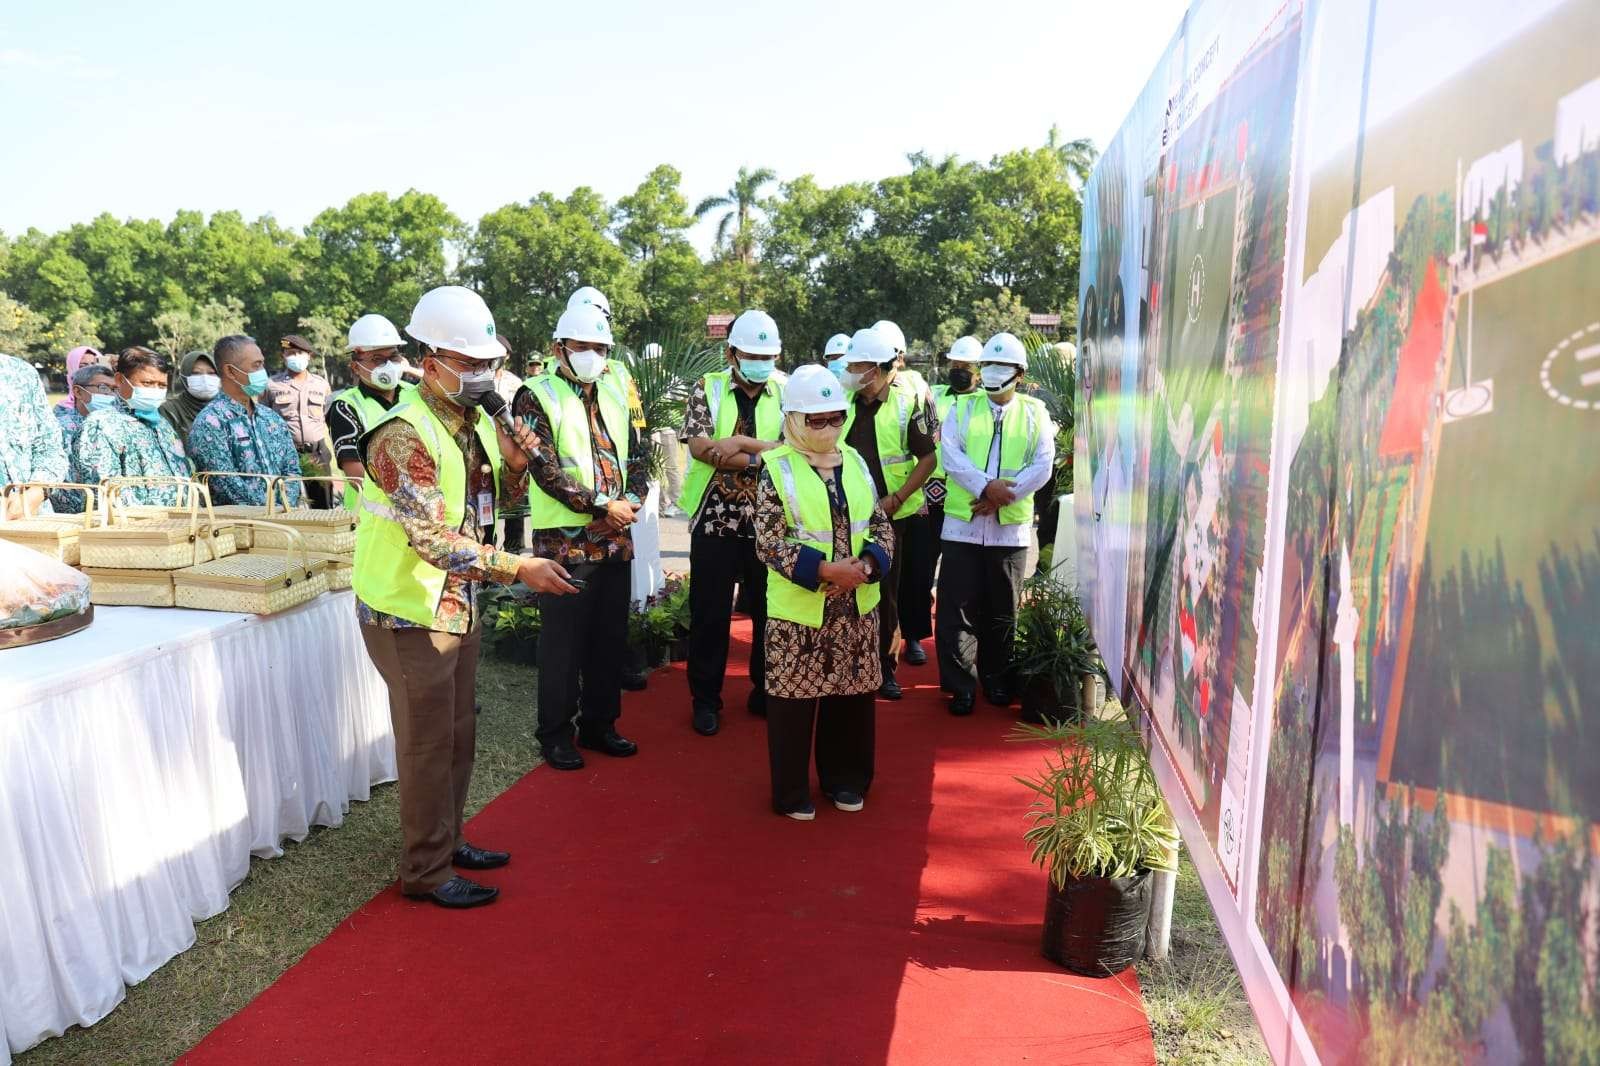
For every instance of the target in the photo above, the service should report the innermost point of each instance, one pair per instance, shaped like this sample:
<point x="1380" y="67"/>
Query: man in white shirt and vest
<point x="733" y="416"/>
<point x="433" y="466"/>
<point x="998" y="448"/>
<point x="889" y="424"/>
<point x="589" y="479"/>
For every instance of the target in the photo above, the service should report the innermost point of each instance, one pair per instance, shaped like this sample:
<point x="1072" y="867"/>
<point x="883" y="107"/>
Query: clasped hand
<point x="843" y="576"/>
<point x="996" y="494"/>
<point x="620" y="514"/>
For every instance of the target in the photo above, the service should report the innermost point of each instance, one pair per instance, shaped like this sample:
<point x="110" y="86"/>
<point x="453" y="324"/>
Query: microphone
<point x="494" y="405"/>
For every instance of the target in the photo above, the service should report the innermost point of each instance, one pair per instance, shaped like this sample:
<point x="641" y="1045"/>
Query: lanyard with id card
<point x="485" y="508"/>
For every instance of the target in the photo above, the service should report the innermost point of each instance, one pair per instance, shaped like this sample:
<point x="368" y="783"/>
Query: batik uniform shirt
<point x="227" y="437"/>
<point x="399" y="462"/>
<point x="68" y="501"/>
<point x="114" y="442"/>
<point x="567" y="546"/>
<point x="729" y="508"/>
<point x="30" y="440"/>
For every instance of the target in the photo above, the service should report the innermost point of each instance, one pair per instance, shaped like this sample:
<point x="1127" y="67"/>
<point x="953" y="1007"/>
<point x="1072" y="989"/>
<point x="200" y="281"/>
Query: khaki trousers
<point x="431" y="678"/>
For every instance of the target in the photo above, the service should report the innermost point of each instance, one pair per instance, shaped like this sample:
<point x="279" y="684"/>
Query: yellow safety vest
<point x="724" y="413"/>
<point x="370" y="412"/>
<point x="1021" y="428"/>
<point x="808" y="518"/>
<point x="891" y="424"/>
<point x="943" y="400"/>
<point x="569" y="423"/>
<point x="389" y="576"/>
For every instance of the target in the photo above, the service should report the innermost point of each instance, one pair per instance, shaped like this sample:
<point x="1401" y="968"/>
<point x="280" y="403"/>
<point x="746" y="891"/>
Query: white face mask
<point x="587" y="366"/>
<point x="296" y="363"/>
<point x="203" y="386"/>
<point x="997" y="378"/>
<point x="386" y="376"/>
<point x="854" y="382"/>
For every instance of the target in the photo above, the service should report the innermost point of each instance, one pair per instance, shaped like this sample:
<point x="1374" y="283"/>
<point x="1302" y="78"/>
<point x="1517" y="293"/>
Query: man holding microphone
<point x="433" y="467"/>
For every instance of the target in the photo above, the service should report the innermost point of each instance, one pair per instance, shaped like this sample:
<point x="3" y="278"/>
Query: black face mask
<point x="960" y="380"/>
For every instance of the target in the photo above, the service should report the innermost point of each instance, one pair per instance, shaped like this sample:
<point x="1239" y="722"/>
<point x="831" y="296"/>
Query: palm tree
<point x="1077" y="156"/>
<point x="740" y="200"/>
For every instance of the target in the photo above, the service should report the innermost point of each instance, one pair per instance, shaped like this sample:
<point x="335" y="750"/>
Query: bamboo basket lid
<point x="130" y="577"/>
<point x="249" y="572"/>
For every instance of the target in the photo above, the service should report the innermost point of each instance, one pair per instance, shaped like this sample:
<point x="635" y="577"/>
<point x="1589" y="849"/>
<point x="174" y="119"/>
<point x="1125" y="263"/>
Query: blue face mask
<point x="837" y="366"/>
<point x="755" y="371"/>
<point x="99" y="401"/>
<point x="255" y="383"/>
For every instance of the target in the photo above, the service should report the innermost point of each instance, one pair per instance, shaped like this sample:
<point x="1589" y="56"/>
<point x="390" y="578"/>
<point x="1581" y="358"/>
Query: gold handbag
<point x="254" y="583"/>
<point x="128" y="543"/>
<point x="55" y="535"/>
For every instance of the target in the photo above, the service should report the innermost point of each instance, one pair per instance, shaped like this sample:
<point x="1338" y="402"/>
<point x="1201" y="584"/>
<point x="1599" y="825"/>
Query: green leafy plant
<point x="516" y="619"/>
<point x="664" y="616"/>
<point x="1096" y="810"/>
<point x="1053" y="642"/>
<point x="665" y="381"/>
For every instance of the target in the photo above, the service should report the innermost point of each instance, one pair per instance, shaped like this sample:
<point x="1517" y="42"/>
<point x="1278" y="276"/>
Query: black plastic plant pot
<point x="524" y="651"/>
<point x="635" y="667"/>
<point x="1095" y="926"/>
<point x="678" y="651"/>
<point x="1041" y="701"/>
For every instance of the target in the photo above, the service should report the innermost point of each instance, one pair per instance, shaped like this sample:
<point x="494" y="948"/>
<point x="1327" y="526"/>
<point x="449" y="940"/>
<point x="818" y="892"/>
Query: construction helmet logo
<point x="761" y="336"/>
<point x="489" y="329"/>
<point x="826" y="392"/>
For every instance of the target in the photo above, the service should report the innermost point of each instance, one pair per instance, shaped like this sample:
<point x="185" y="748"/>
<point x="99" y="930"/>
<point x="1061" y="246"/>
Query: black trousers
<point x="978" y="592"/>
<point x="846" y="730"/>
<point x="916" y="579"/>
<point x="580" y="650"/>
<point x="935" y="539"/>
<point x="514" y="532"/>
<point x="889" y="603"/>
<point x="717" y="564"/>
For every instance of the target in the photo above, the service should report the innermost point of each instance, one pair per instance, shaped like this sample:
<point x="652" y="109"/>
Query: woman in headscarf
<point x="197" y="385"/>
<point x="76" y="359"/>
<point x="826" y="543"/>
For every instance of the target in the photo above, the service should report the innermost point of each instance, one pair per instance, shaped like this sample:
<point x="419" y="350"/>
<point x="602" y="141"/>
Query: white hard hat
<point x="812" y="389"/>
<point x="965" y="350"/>
<point x="896" y="336"/>
<point x="755" y="333"/>
<point x="870" y="346"/>
<point x="1004" y="348"/>
<point x="838" y="344"/>
<point x="456" y="319"/>
<point x="373" y="331"/>
<point x="652" y="350"/>
<point x="583" y="323"/>
<point x="589" y="296"/>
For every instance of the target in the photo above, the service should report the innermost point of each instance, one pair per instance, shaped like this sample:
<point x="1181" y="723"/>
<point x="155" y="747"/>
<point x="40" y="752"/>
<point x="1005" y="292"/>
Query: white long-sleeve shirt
<point x="986" y="530"/>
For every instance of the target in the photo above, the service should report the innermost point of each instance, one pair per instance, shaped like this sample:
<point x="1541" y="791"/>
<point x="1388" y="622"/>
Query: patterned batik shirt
<point x="399" y="462"/>
<point x="68" y="501"/>
<point x="114" y="442"/>
<point x="30" y="440"/>
<point x="729" y="508"/>
<point x="228" y="438"/>
<point x="574" y="546"/>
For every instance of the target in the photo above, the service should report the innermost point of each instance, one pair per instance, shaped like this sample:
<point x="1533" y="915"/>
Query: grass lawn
<point x="287" y="905"/>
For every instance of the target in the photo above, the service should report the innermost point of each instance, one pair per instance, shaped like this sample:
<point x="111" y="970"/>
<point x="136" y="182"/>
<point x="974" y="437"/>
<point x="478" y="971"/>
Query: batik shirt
<point x="30" y="440"/>
<point x="401" y="465"/>
<point x="571" y="547"/>
<point x="114" y="442"/>
<point x="68" y="501"/>
<point x="729" y="507"/>
<point x="227" y="437"/>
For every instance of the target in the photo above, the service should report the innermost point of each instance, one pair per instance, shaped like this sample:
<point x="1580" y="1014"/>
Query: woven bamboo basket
<point x="331" y="530"/>
<point x="244" y="535"/>
<point x="122" y="543"/>
<point x="253" y="583"/>
<point x="110" y="587"/>
<point x="339" y="567"/>
<point x="55" y="535"/>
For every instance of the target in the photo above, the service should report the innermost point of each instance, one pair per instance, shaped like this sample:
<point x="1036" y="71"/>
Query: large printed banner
<point x="1340" y="332"/>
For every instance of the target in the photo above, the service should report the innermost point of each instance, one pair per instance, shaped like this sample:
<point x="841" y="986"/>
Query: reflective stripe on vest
<point x="569" y="424"/>
<point x="808" y="515"/>
<point x="890" y="426"/>
<point x="724" y="409"/>
<point x="369" y="411"/>
<point x="1021" y="428"/>
<point x="389" y="576"/>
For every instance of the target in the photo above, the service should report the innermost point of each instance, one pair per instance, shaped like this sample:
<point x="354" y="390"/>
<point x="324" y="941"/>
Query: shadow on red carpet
<point x="657" y="911"/>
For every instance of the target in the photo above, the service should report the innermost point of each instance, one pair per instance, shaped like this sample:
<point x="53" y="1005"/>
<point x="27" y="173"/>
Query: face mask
<point x="997" y="379"/>
<point x="817" y="441"/>
<point x="202" y="386"/>
<point x="837" y="366"/>
<point x="471" y="387"/>
<point x="255" y="383"/>
<point x="854" y="382"/>
<point x="960" y="380"/>
<point x="99" y="401"/>
<point x="587" y="366"/>
<point x="386" y="376"/>
<point x="755" y="371"/>
<point x="296" y="363"/>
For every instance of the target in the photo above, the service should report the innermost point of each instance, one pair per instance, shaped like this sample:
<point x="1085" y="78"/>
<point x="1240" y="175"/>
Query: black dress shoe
<point x="961" y="704"/>
<point x="563" y="756"/>
<point x="471" y="858"/>
<point x="612" y="743"/>
<point x="458" y="893"/>
<point x="890" y="689"/>
<point x="706" y="721"/>
<point x="915" y="655"/>
<point x="999" y="697"/>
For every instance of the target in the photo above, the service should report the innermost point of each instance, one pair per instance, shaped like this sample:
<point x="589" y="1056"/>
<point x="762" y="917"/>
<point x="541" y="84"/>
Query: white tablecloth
<point x="142" y="762"/>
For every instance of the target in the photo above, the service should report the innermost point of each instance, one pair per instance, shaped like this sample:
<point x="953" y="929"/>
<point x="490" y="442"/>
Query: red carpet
<point x="656" y="911"/>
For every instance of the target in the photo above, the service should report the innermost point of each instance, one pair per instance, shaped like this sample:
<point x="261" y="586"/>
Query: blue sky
<point x="290" y="107"/>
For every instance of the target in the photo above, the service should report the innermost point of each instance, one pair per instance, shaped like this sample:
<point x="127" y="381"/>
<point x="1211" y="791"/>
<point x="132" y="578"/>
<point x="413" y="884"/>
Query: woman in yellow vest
<point x="733" y="417"/>
<point x="998" y="448"/>
<point x="376" y="363"/>
<point x="434" y="466"/>
<point x="827" y="544"/>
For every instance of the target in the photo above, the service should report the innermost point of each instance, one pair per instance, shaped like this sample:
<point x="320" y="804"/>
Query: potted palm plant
<point x="1098" y="826"/>
<point x="1054" y="652"/>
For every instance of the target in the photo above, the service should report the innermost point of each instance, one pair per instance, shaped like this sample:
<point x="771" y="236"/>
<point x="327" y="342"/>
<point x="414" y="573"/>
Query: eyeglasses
<point x="104" y="388"/>
<point x="825" y="421"/>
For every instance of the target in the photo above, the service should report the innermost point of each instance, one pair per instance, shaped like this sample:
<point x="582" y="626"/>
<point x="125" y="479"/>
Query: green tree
<point x="1077" y="156"/>
<point x="1001" y="313"/>
<point x="175" y="333"/>
<point x="735" y="230"/>
<point x="328" y="338"/>
<point x="377" y="254"/>
<point x="22" y="330"/>
<point x="651" y="227"/>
